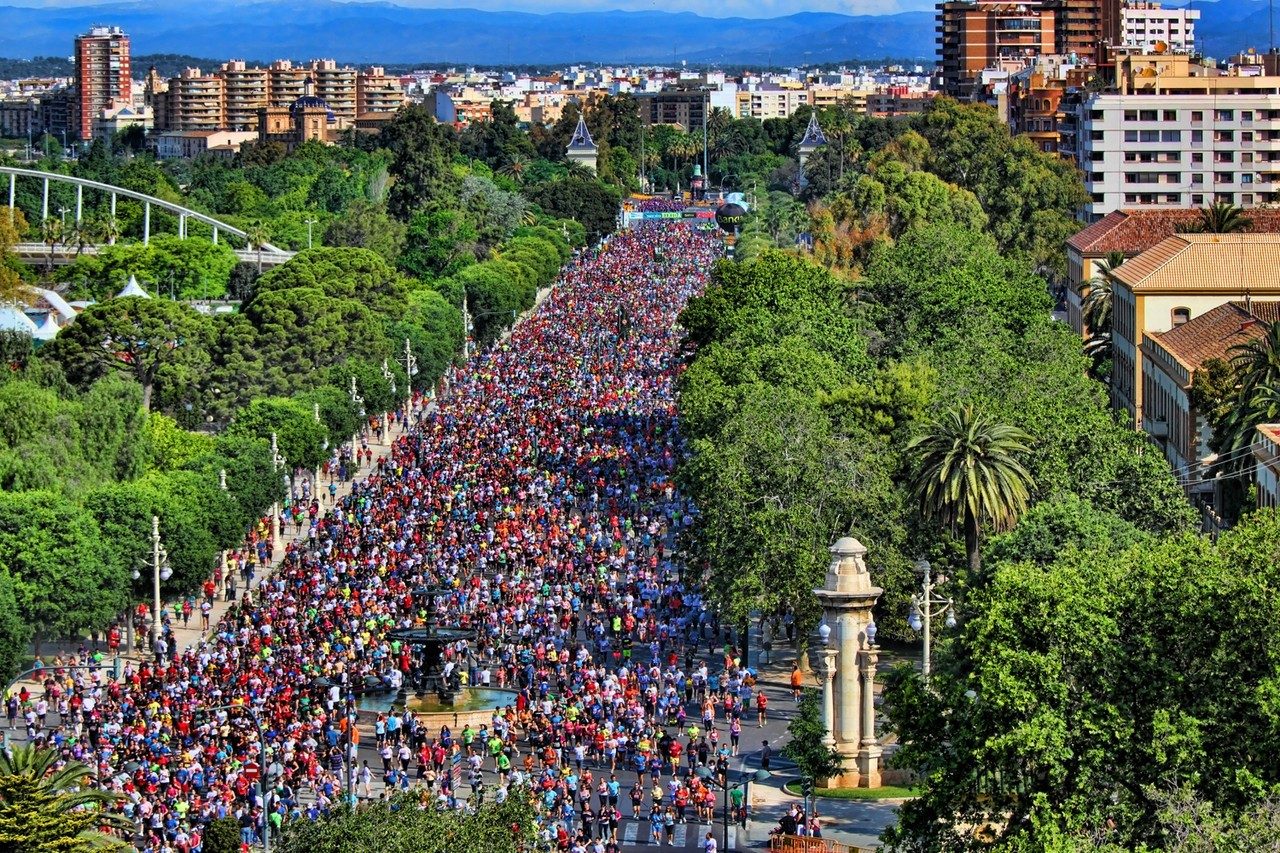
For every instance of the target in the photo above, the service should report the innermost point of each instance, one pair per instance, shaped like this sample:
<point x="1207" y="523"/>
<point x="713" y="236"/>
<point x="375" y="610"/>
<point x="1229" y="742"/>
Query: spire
<point x="813" y="135"/>
<point x="581" y="140"/>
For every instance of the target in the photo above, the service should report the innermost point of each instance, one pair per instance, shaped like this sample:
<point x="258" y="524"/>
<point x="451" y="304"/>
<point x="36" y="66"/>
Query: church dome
<point x="311" y="102"/>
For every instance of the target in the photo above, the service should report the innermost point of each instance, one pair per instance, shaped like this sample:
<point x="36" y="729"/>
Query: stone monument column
<point x="847" y="598"/>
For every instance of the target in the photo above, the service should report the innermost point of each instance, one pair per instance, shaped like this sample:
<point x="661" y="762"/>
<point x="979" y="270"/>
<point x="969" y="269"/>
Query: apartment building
<point x="682" y="107"/>
<point x="191" y="101"/>
<point x="770" y="102"/>
<point x="1179" y="134"/>
<point x="336" y="86"/>
<point x="975" y="35"/>
<point x="246" y="91"/>
<point x="103" y="74"/>
<point x="286" y="83"/>
<point x="1146" y="25"/>
<point x="378" y="93"/>
<point x="1084" y="28"/>
<point x="1172" y="283"/>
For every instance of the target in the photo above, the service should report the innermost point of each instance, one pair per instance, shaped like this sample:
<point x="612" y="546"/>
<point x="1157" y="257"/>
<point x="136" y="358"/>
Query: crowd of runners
<point x="539" y="492"/>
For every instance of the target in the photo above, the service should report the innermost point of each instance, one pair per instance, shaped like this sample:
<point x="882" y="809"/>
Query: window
<point x="1246" y="198"/>
<point x="1197" y="179"/>
<point x="1181" y="315"/>
<point x="1130" y="115"/>
<point x="1246" y="136"/>
<point x="1197" y="136"/>
<point x="1223" y="177"/>
<point x="1224" y="157"/>
<point x="1147" y="115"/>
<point x="1246" y="157"/>
<point x="1131" y="136"/>
<point x="1246" y="115"/>
<point x="1246" y="177"/>
<point x="1170" y="136"/>
<point x="1097" y="135"/>
<point x="1224" y="136"/>
<point x="1197" y="157"/>
<point x="1095" y="114"/>
<point x="1197" y="200"/>
<point x="1197" y="115"/>
<point x="1170" y="115"/>
<point x="1224" y="115"/>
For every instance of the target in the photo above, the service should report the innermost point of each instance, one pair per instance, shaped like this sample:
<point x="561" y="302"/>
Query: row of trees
<point x="906" y="384"/>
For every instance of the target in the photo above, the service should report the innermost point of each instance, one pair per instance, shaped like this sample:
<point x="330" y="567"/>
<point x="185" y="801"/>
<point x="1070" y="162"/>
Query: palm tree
<point x="108" y="230"/>
<point x="968" y="474"/>
<point x="1096" y="310"/>
<point x="43" y="806"/>
<point x="516" y="168"/>
<point x="1256" y="365"/>
<point x="256" y="236"/>
<point x="51" y="233"/>
<point x="1220" y="218"/>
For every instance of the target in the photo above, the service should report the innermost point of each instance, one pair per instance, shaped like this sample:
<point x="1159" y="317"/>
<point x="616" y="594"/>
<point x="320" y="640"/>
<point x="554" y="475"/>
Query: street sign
<point x="250" y="771"/>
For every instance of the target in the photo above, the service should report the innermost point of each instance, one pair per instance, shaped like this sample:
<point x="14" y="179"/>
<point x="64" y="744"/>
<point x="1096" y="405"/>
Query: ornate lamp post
<point x="410" y="370"/>
<point x="391" y="380"/>
<point x="924" y="607"/>
<point x="160" y="571"/>
<point x="277" y="462"/>
<point x="358" y="402"/>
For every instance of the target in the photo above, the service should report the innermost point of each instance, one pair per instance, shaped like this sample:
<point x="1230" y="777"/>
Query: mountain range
<point x="393" y="34"/>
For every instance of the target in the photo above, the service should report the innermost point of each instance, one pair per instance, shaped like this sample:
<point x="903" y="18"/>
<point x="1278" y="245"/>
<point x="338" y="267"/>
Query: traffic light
<point x="806" y="786"/>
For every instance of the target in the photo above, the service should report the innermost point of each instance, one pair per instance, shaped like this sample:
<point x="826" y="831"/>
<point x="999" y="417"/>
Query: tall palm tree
<point x="1096" y="309"/>
<point x="108" y="230"/>
<point x="1220" y="218"/>
<point x="256" y="235"/>
<point x="51" y="234"/>
<point x="46" y="806"/>
<point x="969" y="474"/>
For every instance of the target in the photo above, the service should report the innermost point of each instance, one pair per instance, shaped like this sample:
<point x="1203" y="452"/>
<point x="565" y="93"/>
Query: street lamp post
<point x="410" y="370"/>
<point x="315" y="481"/>
<point x="63" y="211"/>
<point x="277" y="462"/>
<point x="222" y="484"/>
<point x="160" y="571"/>
<point x="358" y="402"/>
<point x="706" y="775"/>
<point x="310" y="222"/>
<point x="391" y="380"/>
<point x="924" y="607"/>
<point x="262" y="768"/>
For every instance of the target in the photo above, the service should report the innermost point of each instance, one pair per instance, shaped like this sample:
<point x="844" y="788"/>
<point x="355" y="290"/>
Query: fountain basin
<point x="474" y="705"/>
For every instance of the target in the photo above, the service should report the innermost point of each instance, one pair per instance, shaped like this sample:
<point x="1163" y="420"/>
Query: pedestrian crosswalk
<point x="638" y="834"/>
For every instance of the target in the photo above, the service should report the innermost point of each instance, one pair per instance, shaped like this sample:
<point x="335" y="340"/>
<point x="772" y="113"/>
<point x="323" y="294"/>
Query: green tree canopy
<point x="134" y="336"/>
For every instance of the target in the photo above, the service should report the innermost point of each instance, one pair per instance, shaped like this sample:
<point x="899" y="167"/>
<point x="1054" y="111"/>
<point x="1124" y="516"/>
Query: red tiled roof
<point x="1135" y="231"/>
<point x="1215" y="332"/>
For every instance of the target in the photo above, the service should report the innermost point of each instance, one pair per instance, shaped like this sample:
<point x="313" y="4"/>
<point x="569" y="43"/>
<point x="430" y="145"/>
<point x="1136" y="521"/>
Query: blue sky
<point x="711" y="8"/>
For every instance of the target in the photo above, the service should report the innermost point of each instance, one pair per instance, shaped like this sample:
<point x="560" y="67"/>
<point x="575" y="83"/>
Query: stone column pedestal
<point x="848" y="664"/>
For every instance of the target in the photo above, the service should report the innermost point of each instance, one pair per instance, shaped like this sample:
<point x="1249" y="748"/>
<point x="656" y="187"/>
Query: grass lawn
<point x="888" y="792"/>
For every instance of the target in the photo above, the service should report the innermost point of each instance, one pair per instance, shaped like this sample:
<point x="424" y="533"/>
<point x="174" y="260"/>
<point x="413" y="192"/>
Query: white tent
<point x="13" y="320"/>
<point x="133" y="289"/>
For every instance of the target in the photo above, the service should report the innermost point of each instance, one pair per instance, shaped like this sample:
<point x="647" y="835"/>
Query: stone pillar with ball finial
<point x="846" y="660"/>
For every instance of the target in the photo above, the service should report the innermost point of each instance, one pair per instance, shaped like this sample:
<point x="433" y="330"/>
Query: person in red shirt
<point x="762" y="708"/>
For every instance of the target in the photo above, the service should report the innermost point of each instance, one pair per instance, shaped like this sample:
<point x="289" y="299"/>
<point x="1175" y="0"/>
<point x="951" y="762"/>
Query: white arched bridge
<point x="267" y="254"/>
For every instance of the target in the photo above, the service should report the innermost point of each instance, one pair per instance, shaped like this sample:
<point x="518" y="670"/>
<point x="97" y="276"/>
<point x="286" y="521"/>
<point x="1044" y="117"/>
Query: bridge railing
<point x="183" y="213"/>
